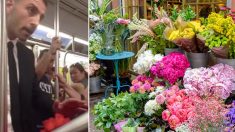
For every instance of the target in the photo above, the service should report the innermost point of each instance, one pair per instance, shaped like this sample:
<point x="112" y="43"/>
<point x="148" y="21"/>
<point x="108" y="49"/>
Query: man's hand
<point x="70" y="107"/>
<point x="62" y="82"/>
<point x="55" y="45"/>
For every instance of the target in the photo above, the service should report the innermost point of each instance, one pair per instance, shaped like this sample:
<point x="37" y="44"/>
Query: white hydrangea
<point x="150" y="107"/>
<point x="145" y="61"/>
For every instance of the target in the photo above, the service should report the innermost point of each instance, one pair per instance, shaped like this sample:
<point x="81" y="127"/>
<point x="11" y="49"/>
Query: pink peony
<point x="171" y="68"/>
<point x="160" y="99"/>
<point x="122" y="21"/>
<point x="165" y="115"/>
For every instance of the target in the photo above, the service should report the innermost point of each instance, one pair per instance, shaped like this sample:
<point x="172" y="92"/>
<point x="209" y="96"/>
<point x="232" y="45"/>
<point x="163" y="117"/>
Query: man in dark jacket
<point x="23" y="17"/>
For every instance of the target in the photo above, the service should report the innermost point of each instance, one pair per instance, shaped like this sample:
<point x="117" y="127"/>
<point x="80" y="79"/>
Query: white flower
<point x="158" y="57"/>
<point x="145" y="61"/>
<point x="182" y="128"/>
<point x="94" y="18"/>
<point x="150" y="107"/>
<point x="152" y="94"/>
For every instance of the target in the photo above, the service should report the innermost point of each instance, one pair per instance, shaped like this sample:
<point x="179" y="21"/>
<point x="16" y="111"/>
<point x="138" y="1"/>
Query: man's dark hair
<point x="42" y="52"/>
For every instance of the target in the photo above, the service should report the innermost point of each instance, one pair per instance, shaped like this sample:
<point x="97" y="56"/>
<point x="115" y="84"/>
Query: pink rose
<point x="122" y="21"/>
<point x="175" y="88"/>
<point x="142" y="90"/>
<point x="156" y="0"/>
<point x="160" y="99"/>
<point x="173" y="121"/>
<point x="132" y="89"/>
<point x="182" y="114"/>
<point x="165" y="115"/>
<point x="134" y="81"/>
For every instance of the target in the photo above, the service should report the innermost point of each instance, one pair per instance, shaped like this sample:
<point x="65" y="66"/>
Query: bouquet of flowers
<point x="222" y="41"/>
<point x="151" y="32"/>
<point x="171" y="68"/>
<point x="142" y="84"/>
<point x="218" y="80"/>
<point x="94" y="69"/>
<point x="179" y="106"/>
<point x="145" y="61"/>
<point x="182" y="34"/>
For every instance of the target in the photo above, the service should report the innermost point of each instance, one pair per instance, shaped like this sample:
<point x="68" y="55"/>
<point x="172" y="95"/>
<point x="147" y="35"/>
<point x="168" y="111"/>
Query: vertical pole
<point x="73" y="45"/>
<point x="3" y="68"/>
<point x="56" y="27"/>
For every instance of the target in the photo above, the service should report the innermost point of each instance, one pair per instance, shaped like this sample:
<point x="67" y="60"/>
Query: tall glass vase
<point x="108" y="47"/>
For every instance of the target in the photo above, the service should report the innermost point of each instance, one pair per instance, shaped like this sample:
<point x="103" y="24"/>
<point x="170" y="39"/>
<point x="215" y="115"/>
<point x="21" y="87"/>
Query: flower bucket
<point x="129" y="129"/>
<point x="170" y="50"/>
<point x="198" y="59"/>
<point x="95" y="83"/>
<point x="230" y="62"/>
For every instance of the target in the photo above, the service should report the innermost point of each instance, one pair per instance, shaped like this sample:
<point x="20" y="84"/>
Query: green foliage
<point x="99" y="10"/>
<point x="110" y="17"/>
<point x="156" y="45"/>
<point x="116" y="108"/>
<point x="159" y="29"/>
<point x="174" y="13"/>
<point x="216" y="41"/>
<point x="188" y="14"/>
<point x="232" y="51"/>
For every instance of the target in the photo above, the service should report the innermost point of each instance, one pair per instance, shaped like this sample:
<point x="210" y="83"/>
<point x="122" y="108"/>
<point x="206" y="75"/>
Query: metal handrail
<point x="31" y="42"/>
<point x="4" y="81"/>
<point x="56" y="26"/>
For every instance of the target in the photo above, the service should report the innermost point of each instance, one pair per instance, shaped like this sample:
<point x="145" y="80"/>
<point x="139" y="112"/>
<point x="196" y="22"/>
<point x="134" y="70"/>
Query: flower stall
<point x="184" y="77"/>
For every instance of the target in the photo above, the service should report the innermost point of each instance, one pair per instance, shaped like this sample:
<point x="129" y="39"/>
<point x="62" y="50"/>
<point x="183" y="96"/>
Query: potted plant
<point x="130" y="126"/>
<point x="117" y="108"/>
